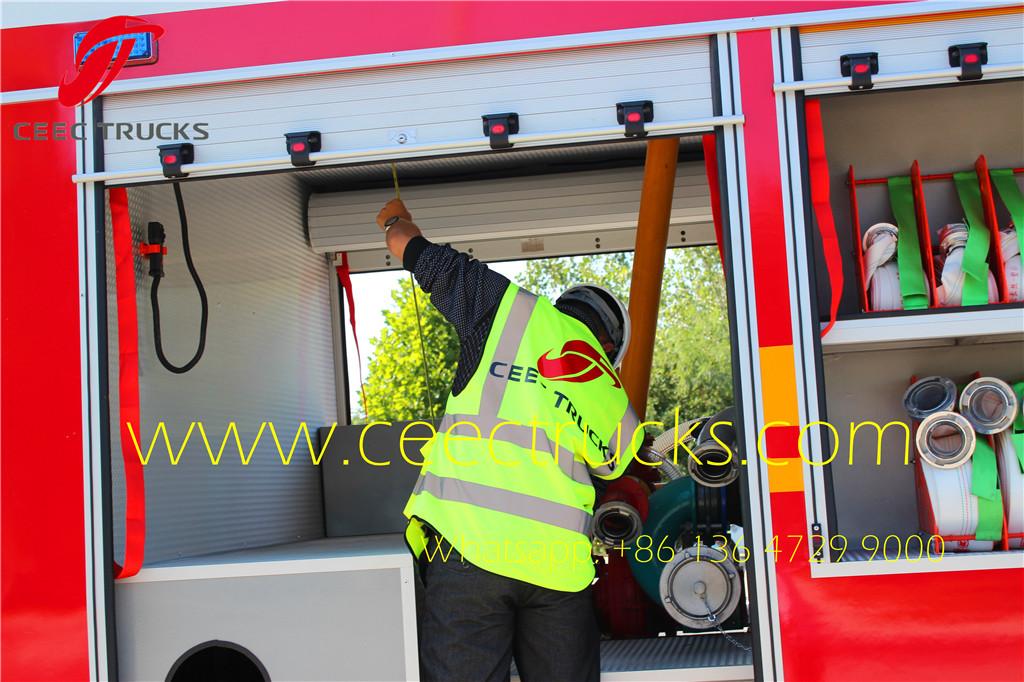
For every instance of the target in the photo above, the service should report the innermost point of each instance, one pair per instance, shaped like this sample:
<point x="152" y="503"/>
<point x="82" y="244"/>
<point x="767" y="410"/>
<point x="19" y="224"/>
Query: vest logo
<point x="579" y="363"/>
<point x="89" y="77"/>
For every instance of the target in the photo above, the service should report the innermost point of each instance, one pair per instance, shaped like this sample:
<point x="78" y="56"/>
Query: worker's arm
<point x="462" y="288"/>
<point x="399" y="234"/>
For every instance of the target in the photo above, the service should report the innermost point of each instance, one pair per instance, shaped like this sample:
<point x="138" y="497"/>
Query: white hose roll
<point x="1012" y="481"/>
<point x="945" y="440"/>
<point x="952" y="241"/>
<point x="989" y="404"/>
<point x="954" y="507"/>
<point x="881" y="274"/>
<point x="1012" y="264"/>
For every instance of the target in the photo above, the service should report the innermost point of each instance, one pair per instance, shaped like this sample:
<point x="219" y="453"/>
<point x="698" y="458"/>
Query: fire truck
<point x="857" y="164"/>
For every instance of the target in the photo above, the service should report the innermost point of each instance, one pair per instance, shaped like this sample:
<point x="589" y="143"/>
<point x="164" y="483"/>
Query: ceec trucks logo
<point x="579" y="363"/>
<point x="90" y="76"/>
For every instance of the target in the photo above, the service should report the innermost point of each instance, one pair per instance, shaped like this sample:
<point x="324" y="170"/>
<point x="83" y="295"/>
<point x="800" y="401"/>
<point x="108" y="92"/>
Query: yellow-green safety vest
<point x="505" y="480"/>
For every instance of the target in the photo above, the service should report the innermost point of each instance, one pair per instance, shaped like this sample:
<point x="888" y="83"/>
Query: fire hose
<point x="960" y="470"/>
<point x="1010" y="447"/>
<point x="953" y="249"/>
<point x="881" y="274"/>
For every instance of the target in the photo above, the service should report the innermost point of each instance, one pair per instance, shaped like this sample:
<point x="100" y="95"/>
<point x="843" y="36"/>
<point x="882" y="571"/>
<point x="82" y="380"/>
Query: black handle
<point x="157" y="236"/>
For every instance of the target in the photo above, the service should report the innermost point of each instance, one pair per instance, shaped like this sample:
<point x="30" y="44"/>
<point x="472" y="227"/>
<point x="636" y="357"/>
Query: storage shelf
<point x="902" y="331"/>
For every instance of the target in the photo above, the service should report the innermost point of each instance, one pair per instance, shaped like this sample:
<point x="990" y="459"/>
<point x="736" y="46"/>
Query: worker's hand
<point x="395" y="207"/>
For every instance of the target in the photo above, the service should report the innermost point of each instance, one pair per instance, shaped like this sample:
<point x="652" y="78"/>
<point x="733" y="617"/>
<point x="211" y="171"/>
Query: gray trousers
<point x="473" y="622"/>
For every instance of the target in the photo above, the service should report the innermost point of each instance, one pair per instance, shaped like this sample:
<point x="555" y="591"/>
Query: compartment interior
<point x="882" y="133"/>
<point x="276" y="353"/>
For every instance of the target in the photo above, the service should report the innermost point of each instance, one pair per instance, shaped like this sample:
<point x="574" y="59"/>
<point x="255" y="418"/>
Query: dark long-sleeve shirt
<point x="464" y="290"/>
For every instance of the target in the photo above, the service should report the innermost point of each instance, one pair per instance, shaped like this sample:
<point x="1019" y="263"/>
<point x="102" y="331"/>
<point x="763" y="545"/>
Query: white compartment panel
<point x="543" y="205"/>
<point x="909" y="47"/>
<point x="437" y="102"/>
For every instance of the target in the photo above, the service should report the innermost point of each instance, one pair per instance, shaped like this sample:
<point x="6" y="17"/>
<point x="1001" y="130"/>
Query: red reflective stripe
<point x="345" y="277"/>
<point x="823" y="208"/>
<point x="128" y="388"/>
<point x="711" y="168"/>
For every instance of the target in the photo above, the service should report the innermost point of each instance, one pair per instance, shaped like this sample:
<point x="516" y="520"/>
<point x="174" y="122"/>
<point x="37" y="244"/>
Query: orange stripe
<point x="778" y="385"/>
<point x="968" y="14"/>
<point x="785" y="478"/>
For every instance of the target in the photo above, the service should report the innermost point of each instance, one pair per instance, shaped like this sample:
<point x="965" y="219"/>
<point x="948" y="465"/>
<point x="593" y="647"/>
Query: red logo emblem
<point x="579" y="362"/>
<point x="81" y="85"/>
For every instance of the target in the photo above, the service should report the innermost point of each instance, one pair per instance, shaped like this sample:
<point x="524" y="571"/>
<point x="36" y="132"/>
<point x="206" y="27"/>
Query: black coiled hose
<point x="158" y="274"/>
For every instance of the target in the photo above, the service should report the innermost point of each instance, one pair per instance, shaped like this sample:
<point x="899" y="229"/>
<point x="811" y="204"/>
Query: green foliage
<point x="395" y="382"/>
<point x="692" y="364"/>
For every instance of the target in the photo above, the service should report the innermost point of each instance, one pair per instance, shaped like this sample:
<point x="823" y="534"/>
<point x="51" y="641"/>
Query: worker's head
<point x="604" y="315"/>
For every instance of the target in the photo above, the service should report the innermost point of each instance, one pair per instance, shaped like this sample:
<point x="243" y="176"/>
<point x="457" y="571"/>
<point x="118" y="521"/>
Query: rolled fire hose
<point x="1010" y="246"/>
<point x="952" y="246"/>
<point x="699" y="580"/>
<point x="881" y="273"/>
<point x="929" y="395"/>
<point x="960" y="475"/>
<point x="989" y="404"/>
<point x="1010" y="449"/>
<point x="954" y="507"/>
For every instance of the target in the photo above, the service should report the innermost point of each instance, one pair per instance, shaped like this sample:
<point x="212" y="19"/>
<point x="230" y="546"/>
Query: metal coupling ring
<point x="929" y="395"/>
<point x="945" y="440"/>
<point x="989" y="404"/>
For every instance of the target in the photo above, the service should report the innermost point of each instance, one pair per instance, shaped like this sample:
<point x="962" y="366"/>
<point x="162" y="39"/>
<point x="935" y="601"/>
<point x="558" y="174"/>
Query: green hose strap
<point x="1012" y="198"/>
<point x="985" y="486"/>
<point x="913" y="287"/>
<point x="975" y="265"/>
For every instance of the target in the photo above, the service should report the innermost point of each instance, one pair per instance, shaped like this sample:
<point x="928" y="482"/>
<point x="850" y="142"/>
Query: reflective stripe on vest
<point x="478" y="489"/>
<point x="500" y="430"/>
<point x="506" y="501"/>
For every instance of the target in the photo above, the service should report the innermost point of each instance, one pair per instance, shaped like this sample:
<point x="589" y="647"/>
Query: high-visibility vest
<point x="505" y="480"/>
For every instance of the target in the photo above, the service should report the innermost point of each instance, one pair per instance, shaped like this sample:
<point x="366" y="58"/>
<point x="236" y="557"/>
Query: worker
<point x="499" y="518"/>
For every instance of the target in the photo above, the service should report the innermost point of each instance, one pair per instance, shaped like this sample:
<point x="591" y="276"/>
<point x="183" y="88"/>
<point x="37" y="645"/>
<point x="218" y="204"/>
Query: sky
<point x="372" y="293"/>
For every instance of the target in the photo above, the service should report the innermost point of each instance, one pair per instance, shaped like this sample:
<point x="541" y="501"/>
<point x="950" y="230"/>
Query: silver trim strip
<point x="476" y="144"/>
<point x="937" y="74"/>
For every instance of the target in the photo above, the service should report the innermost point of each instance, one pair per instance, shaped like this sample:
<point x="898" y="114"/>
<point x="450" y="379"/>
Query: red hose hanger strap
<point x="711" y="169"/>
<point x="818" y="170"/>
<point x="128" y="386"/>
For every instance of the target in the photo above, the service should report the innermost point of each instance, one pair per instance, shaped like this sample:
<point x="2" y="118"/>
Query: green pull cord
<point x="1012" y="198"/>
<point x="975" y="265"/>
<point x="913" y="286"/>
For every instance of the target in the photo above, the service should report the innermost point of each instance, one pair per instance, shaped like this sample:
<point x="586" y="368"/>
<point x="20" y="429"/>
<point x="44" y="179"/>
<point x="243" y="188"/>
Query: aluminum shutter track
<point x="583" y="202"/>
<point x="911" y="47"/>
<point x="437" y="102"/>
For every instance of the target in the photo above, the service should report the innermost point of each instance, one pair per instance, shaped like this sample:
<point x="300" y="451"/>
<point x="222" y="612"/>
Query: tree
<point x="395" y="383"/>
<point x="691" y="367"/>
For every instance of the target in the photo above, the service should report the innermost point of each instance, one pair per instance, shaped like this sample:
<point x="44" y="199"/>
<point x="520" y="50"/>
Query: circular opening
<point x="218" y="661"/>
<point x="930" y="397"/>
<point x="988" y="405"/>
<point x="616" y="525"/>
<point x="946" y="440"/>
